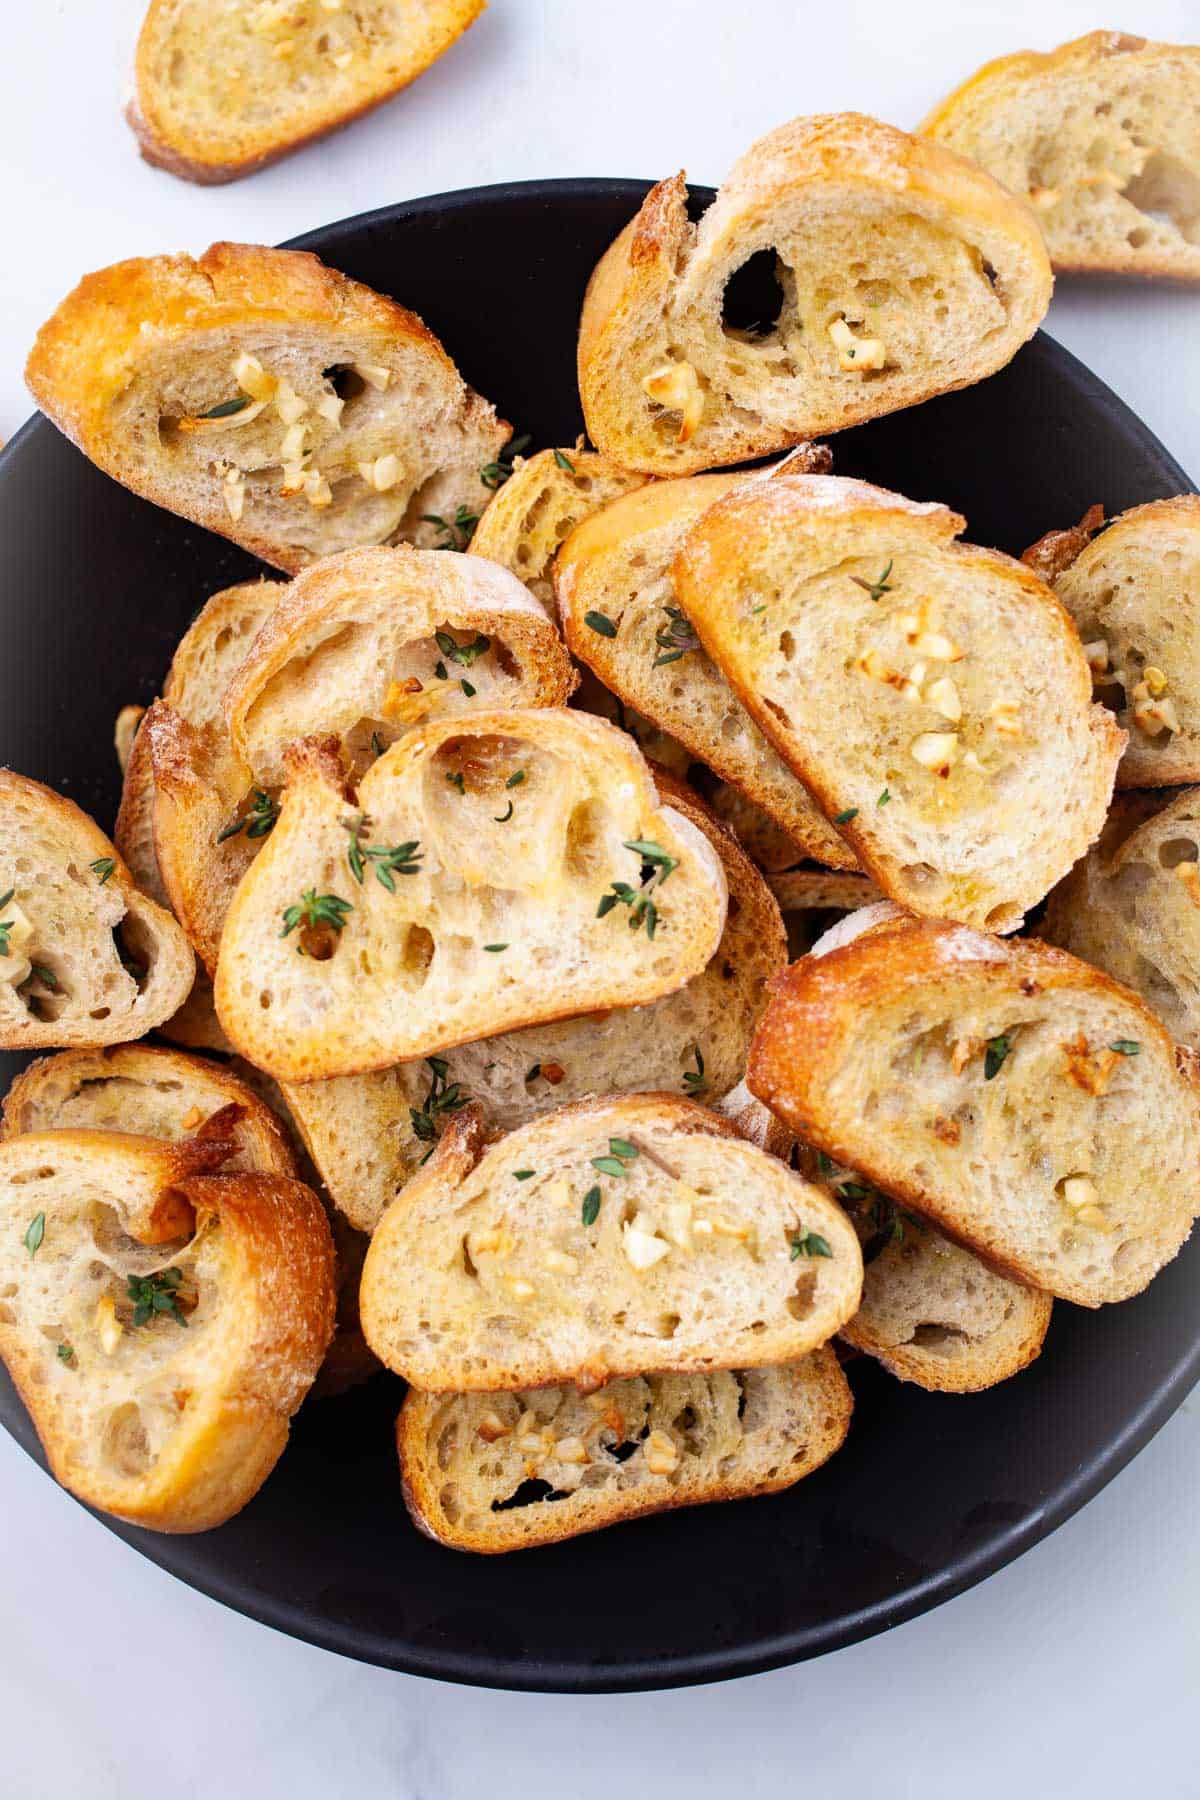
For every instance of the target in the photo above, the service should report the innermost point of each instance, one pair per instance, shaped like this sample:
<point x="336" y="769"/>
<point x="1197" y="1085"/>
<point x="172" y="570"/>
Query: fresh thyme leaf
<point x="66" y="1353"/>
<point x="387" y="861"/>
<point x="102" y="868"/>
<point x="656" y="868"/>
<point x="504" y="817"/>
<point x="564" y="462"/>
<point x="227" y="409"/>
<point x="997" y="1049"/>
<point x="516" y="779"/>
<point x="824" y="1163"/>
<point x="1126" y="1047"/>
<point x="495" y="948"/>
<point x="157" y="1293"/>
<point x="608" y="1165"/>
<point x="883" y="798"/>
<point x="600" y="623"/>
<point x="524" y="1174"/>
<point x="532" y="1074"/>
<point x="439" y="669"/>
<point x="376" y="744"/>
<point x="441" y="1098"/>
<point x="654" y="854"/>
<point x="880" y="586"/>
<point x="257" y="822"/>
<point x="853" y="1190"/>
<point x="693" y="1079"/>
<point x="455" y="533"/>
<point x="455" y="778"/>
<point x="46" y="976"/>
<point x="462" y="653"/>
<point x="623" y="1148"/>
<point x="760" y="608"/>
<point x="316" y="909"/>
<point x="844" y="818"/>
<point x="467" y="689"/>
<point x="811" y="1243"/>
<point x="35" y="1231"/>
<point x="494" y="474"/>
<point x="675" y="638"/>
<point x="589" y="1212"/>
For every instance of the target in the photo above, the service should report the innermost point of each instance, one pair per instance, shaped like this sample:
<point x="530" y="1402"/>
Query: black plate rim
<point x="782" y="1648"/>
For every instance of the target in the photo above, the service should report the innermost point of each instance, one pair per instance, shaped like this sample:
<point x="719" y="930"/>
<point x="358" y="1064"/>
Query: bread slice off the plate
<point x="621" y="1236"/>
<point x="85" y="958"/>
<point x="145" y="1090"/>
<point x="221" y="91"/>
<point x="1133" y="910"/>
<point x="1101" y="137"/>
<point x="1022" y="1101"/>
<point x="1133" y="590"/>
<point x="489" y="872"/>
<point x="269" y="398"/>
<point x="621" y="615"/>
<point x="933" y="696"/>
<point x="543" y="500"/>
<point x="161" y="1323"/>
<point x="645" y="1445"/>
<point x="368" y="1134"/>
<point x="901" y="271"/>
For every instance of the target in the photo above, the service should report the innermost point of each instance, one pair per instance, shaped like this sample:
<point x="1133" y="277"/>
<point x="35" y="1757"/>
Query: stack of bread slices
<point x="583" y="913"/>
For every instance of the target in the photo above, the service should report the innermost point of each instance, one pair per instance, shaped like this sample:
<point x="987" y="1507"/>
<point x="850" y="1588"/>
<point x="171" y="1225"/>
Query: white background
<point x="1075" y="1672"/>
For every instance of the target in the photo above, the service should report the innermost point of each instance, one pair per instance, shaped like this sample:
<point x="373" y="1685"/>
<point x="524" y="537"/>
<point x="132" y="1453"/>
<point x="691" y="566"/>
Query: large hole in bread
<point x="417" y="955"/>
<point x="124" y="1442"/>
<point x="1173" y="851"/>
<point x="528" y="1494"/>
<point x="945" y="1340"/>
<point x="753" y="298"/>
<point x="1168" y="192"/>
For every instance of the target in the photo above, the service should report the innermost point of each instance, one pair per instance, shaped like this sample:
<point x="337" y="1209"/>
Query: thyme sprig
<point x="443" y="1097"/>
<point x="675" y="638"/>
<point x="494" y="474"/>
<point x="388" y="861"/>
<point x="256" y="821"/>
<point x="455" y="533"/>
<point x="656" y="869"/>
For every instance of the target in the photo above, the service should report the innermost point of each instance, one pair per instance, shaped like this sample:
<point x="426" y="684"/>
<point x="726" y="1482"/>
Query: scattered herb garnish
<point x="760" y="608"/>
<point x="376" y="744"/>
<point x="516" y="779"/>
<point x="600" y="623"/>
<point x="494" y="474"/>
<point x="441" y="1098"/>
<point x="656" y="869"/>
<point x="6" y="925"/>
<point x="693" y="1079"/>
<point x="564" y="462"/>
<point x="495" y="948"/>
<point x="997" y="1049"/>
<point x="824" y="1163"/>
<point x="623" y="1148"/>
<point x="455" y="778"/>
<point x="810" y="1244"/>
<point x="1126" y="1047"/>
<point x="844" y="818"/>
<point x="66" y="1353"/>
<point x="462" y="653"/>
<point x="157" y="1293"/>
<point x="315" y="909"/>
<point x="620" y="1153"/>
<point x="533" y="1073"/>
<point x="880" y="586"/>
<point x="102" y="868"/>
<point x="456" y="532"/>
<point x="47" y="977"/>
<point x="883" y="798"/>
<point x="439" y="669"/>
<point x="589" y="1212"/>
<point x="504" y="817"/>
<point x="524" y="1174"/>
<point x="675" y="638"/>
<point x="35" y="1231"/>
<point x="257" y="822"/>
<point x="608" y="1165"/>
<point x="467" y="689"/>
<point x="226" y="409"/>
<point x="387" y="861"/>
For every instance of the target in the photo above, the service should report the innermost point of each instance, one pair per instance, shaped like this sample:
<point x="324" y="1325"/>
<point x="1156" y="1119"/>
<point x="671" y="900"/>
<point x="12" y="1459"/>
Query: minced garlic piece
<point x="233" y="492"/>
<point x="108" y="1325"/>
<point x="855" y="353"/>
<point x="662" y="1458"/>
<point x="943" y="696"/>
<point x="1005" y="716"/>
<point x="935" y="750"/>
<point x="642" y="1248"/>
<point x="374" y="374"/>
<point x="676" y="388"/>
<point x="383" y="473"/>
<point x="252" y="378"/>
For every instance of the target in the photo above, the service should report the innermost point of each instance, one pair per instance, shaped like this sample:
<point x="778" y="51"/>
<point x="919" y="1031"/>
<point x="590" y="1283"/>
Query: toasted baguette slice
<point x="339" y="418"/>
<point x="85" y="959"/>
<point x="770" y="846"/>
<point x="1101" y="136"/>
<point x="484" y="1274"/>
<point x="637" y="1447"/>
<point x="160" y="1323"/>
<point x="145" y="1091"/>
<point x="822" y="890"/>
<point x="1021" y="1100"/>
<point x="196" y="1026"/>
<point x="879" y="657"/>
<point x="621" y="615"/>
<point x="1133" y="909"/>
<point x="369" y="1133"/>
<point x="507" y="832"/>
<point x="1134" y="594"/>
<point x="220" y="92"/>
<point x="541" y="503"/>
<point x="932" y="1313"/>
<point x="368" y="644"/>
<point x="902" y="271"/>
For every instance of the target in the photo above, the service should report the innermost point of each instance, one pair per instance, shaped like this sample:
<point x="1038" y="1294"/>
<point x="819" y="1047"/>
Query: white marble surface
<point x="1071" y="1673"/>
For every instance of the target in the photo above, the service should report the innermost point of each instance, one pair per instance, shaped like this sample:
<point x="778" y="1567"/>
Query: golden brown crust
<point x="972" y="1373"/>
<point x="222" y="156"/>
<point x="1057" y="550"/>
